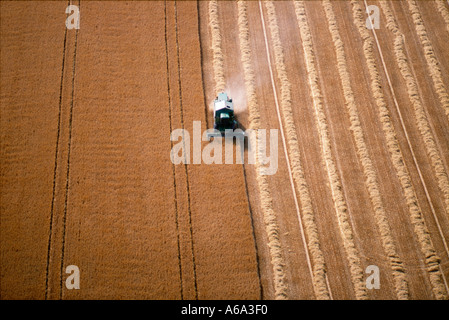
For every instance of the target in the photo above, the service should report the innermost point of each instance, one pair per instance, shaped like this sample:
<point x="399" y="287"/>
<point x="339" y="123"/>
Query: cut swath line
<point x="292" y="155"/>
<point x="269" y="216"/>
<point x="444" y="11"/>
<point x="371" y="179"/>
<point x="185" y="159"/>
<point x="341" y="208"/>
<point x="416" y="217"/>
<point x="53" y="199"/>
<point x="242" y="24"/>
<point x="69" y="147"/>
<point x="420" y="116"/>
<point x="421" y="123"/>
<point x="432" y="63"/>
<point x="429" y="54"/>
<point x="276" y="100"/>
<point x="220" y="83"/>
<point x="206" y="117"/>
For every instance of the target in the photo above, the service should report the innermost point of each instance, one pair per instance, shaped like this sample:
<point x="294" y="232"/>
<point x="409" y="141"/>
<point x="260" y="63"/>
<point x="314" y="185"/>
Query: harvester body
<point x="224" y="119"/>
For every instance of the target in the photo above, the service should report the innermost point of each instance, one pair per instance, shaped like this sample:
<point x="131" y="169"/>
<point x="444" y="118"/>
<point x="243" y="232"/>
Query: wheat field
<point x="362" y="111"/>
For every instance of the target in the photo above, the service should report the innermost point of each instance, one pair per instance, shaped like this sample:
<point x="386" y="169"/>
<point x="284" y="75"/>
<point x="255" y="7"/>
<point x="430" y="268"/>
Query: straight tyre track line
<point x="416" y="216"/>
<point x="175" y="198"/>
<point x="185" y="160"/>
<point x="68" y="160"/>
<point x="283" y="138"/>
<point x="253" y="233"/>
<point x="440" y="91"/>
<point x="415" y="162"/>
<point x="202" y="69"/>
<point x="371" y="179"/>
<point x="317" y="271"/>
<point x="340" y="204"/>
<point x="429" y="54"/>
<point x="414" y="158"/>
<point x="56" y="163"/>
<point x="220" y="84"/>
<point x="421" y="119"/>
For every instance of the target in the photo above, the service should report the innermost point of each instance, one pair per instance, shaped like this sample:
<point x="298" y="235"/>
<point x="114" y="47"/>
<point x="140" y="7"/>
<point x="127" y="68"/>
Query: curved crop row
<point x="334" y="179"/>
<point x="443" y="11"/>
<point x="313" y="245"/>
<point x="420" y="113"/>
<point x="429" y="54"/>
<point x="371" y="179"/>
<point x="416" y="216"/>
<point x="269" y="215"/>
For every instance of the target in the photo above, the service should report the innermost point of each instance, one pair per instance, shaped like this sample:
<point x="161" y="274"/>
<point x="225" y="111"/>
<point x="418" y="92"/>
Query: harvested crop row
<point x="269" y="215"/>
<point x="443" y="11"/>
<point x="429" y="54"/>
<point x="334" y="179"/>
<point x="218" y="58"/>
<point x="420" y="113"/>
<point x="319" y="277"/>
<point x="416" y="217"/>
<point x="371" y="179"/>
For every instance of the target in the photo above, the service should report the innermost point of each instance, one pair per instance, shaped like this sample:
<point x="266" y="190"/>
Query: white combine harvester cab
<point x="224" y="118"/>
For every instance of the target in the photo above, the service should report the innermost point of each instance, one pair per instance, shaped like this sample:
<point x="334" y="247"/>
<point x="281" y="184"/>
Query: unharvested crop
<point x="420" y="112"/>
<point x="429" y="54"/>
<point x="86" y="177"/>
<point x="269" y="215"/>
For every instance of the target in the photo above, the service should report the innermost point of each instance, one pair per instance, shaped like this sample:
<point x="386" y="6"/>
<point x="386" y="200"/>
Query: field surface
<point x="361" y="188"/>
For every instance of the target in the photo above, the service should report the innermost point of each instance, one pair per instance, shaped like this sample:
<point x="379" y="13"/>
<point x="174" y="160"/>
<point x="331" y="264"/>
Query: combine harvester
<point x="225" y="123"/>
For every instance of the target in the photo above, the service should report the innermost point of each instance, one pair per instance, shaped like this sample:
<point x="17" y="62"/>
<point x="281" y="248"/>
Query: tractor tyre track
<point x="306" y="219"/>
<point x="185" y="162"/>
<point x="85" y="173"/>
<point x="431" y="258"/>
<point x="29" y="129"/>
<point x="56" y="163"/>
<point x="175" y="198"/>
<point x="371" y="181"/>
<point x="420" y="113"/>
<point x="340" y="204"/>
<point x="429" y="54"/>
